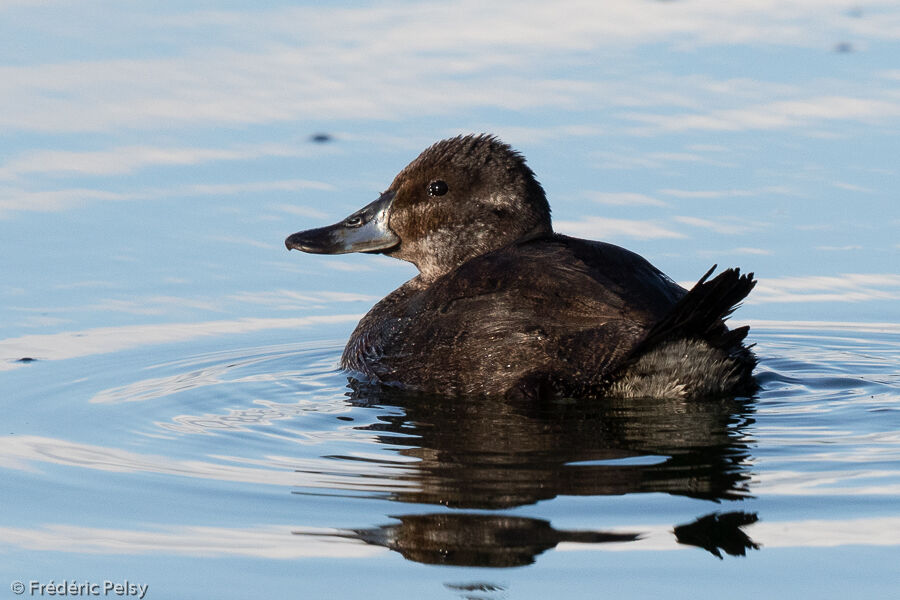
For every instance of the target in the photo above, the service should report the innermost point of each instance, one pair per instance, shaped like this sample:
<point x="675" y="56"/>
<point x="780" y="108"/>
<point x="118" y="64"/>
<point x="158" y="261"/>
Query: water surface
<point x="267" y="460"/>
<point x="172" y="408"/>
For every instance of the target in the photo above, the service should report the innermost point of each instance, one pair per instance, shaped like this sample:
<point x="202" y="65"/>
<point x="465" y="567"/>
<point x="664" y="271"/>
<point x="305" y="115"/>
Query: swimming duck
<point x="504" y="306"/>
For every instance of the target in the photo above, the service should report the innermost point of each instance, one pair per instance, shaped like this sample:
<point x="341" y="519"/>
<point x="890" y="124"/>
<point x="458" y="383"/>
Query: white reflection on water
<point x="266" y="541"/>
<point x="775" y="115"/>
<point x="814" y="326"/>
<point x="23" y="453"/>
<point x="884" y="531"/>
<point x="117" y="161"/>
<point x="278" y="542"/>
<point x="228" y="367"/>
<point x="72" y="344"/>
<point x="597" y="228"/>
<point x="298" y="84"/>
<point x="294" y="300"/>
<point x="847" y="287"/>
<point x="17" y="199"/>
<point x="833" y="482"/>
<point x="160" y="387"/>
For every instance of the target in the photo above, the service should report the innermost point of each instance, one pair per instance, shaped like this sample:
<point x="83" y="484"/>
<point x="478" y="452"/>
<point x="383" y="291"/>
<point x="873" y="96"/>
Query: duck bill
<point x="366" y="230"/>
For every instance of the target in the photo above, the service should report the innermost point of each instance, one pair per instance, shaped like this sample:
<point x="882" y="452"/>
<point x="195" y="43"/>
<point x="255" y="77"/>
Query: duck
<point x="503" y="306"/>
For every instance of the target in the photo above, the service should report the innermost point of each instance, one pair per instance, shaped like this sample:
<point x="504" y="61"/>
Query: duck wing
<point x="557" y="312"/>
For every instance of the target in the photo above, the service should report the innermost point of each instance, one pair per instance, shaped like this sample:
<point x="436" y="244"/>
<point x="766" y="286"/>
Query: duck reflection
<point x="497" y="454"/>
<point x="485" y="540"/>
<point x="493" y="454"/>
<point x="472" y="539"/>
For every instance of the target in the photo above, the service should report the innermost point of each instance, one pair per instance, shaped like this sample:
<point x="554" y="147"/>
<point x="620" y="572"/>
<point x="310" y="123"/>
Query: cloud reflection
<point x="25" y="452"/>
<point x="847" y="287"/>
<point x="811" y="533"/>
<point x="293" y="66"/>
<point x="14" y="199"/>
<point x="270" y="541"/>
<point x="776" y="115"/>
<point x="277" y="541"/>
<point x="127" y="159"/>
<point x="72" y="344"/>
<point x="609" y="228"/>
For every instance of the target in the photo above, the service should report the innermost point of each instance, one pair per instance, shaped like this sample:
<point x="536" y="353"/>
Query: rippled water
<point x="172" y="411"/>
<point x="236" y="471"/>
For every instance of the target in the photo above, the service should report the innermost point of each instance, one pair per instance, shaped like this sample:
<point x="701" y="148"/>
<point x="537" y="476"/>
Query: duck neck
<point x="442" y="251"/>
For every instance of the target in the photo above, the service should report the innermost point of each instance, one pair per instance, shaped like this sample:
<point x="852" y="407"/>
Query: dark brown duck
<point x="504" y="306"/>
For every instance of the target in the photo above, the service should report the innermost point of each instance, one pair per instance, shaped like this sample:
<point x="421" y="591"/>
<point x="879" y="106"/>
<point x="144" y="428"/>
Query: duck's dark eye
<point x="437" y="188"/>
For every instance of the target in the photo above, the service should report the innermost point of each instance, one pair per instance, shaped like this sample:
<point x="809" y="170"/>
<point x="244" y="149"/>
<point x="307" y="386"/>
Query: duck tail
<point x="702" y="311"/>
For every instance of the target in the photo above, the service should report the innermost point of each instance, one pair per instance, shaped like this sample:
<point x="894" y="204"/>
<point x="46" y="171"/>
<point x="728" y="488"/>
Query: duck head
<point x="461" y="198"/>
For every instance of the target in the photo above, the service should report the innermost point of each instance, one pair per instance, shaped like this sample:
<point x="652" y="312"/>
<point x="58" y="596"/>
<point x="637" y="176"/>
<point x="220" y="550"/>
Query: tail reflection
<point x="718" y="532"/>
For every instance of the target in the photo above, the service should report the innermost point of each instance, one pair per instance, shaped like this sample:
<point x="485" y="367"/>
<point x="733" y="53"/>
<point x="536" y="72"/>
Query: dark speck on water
<point x="26" y="359"/>
<point x="843" y="48"/>
<point x="475" y="587"/>
<point x="320" y="138"/>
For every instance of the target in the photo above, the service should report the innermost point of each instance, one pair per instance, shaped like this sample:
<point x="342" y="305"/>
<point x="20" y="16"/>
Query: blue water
<point x="251" y="469"/>
<point x="172" y="411"/>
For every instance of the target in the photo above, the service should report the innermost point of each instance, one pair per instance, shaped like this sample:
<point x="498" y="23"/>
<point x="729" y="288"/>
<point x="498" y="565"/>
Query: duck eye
<point x="437" y="188"/>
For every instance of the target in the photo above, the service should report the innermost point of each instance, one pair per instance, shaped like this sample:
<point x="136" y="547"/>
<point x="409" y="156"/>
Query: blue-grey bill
<point x="366" y="230"/>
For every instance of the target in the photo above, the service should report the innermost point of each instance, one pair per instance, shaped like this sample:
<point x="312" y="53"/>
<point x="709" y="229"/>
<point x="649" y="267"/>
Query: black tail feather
<point x="701" y="312"/>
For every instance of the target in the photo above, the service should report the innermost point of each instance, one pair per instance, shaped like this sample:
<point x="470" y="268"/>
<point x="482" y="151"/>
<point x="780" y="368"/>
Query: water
<point x="236" y="471"/>
<point x="172" y="409"/>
